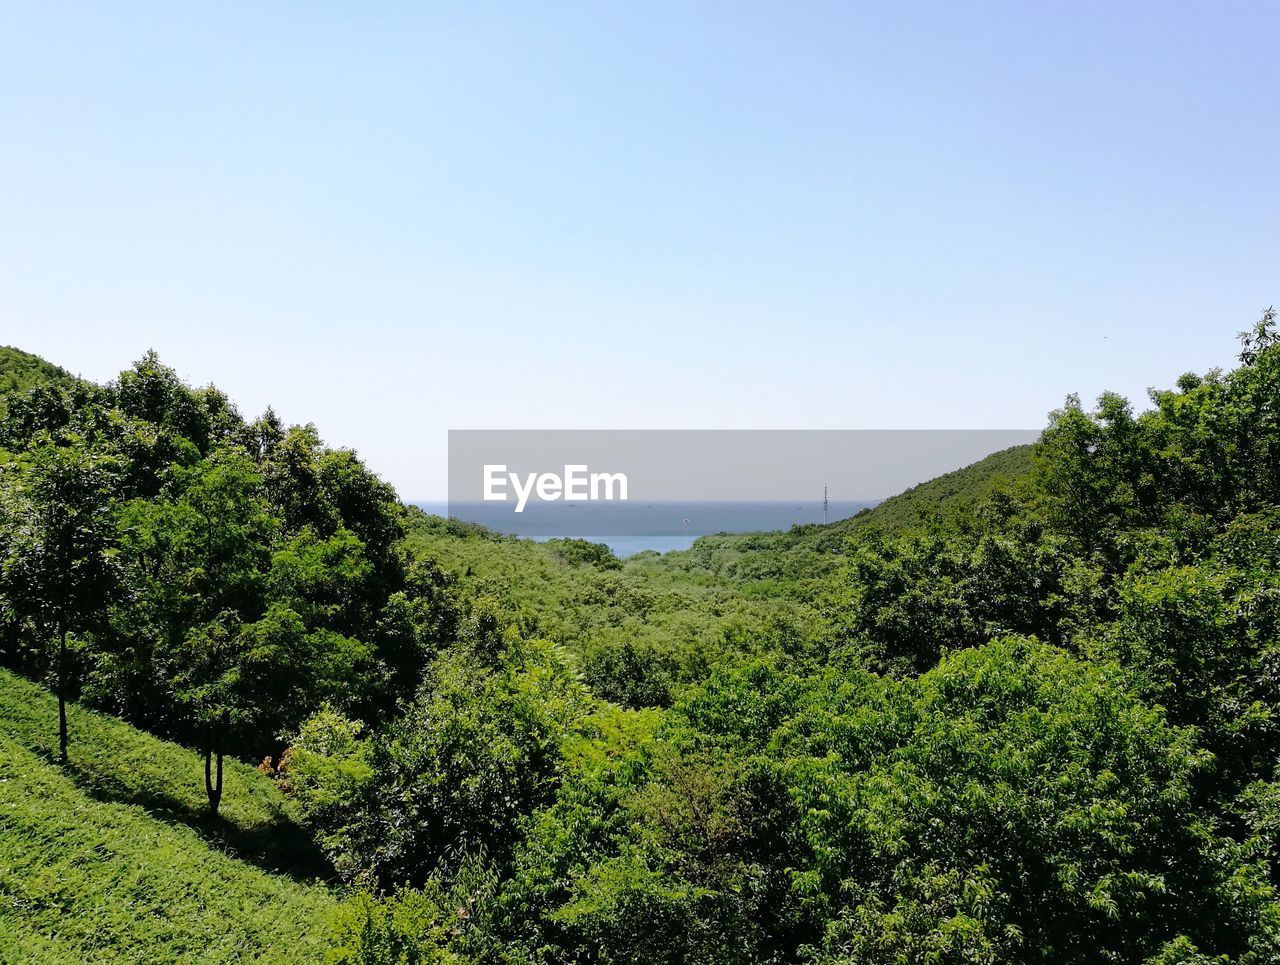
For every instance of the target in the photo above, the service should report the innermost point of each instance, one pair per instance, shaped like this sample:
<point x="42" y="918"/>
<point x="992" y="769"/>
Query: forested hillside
<point x="20" y="371"/>
<point x="1025" y="713"/>
<point x="799" y="560"/>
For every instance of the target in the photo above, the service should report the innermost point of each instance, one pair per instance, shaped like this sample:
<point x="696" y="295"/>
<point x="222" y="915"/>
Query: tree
<point x="59" y="568"/>
<point x="1256" y="340"/>
<point x="208" y="684"/>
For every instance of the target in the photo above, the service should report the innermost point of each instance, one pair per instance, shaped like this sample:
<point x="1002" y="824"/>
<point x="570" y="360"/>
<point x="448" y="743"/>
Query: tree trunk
<point x="212" y="785"/>
<point x="62" y="694"/>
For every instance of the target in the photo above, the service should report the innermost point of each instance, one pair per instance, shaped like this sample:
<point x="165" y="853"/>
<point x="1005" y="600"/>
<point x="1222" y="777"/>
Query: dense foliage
<point x="221" y="580"/>
<point x="21" y="370"/>
<point x="1025" y="713"/>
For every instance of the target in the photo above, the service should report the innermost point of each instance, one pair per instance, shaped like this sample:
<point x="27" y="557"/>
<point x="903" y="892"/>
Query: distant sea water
<point x="631" y="527"/>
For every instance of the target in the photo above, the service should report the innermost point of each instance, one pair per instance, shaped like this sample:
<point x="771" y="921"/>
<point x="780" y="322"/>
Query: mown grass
<point x="114" y="857"/>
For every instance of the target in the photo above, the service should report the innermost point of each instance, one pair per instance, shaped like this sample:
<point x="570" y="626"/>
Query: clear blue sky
<point x="564" y="215"/>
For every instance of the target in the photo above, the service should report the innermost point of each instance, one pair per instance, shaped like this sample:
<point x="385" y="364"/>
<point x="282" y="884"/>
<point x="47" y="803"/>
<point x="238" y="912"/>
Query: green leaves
<point x="203" y="564"/>
<point x="476" y="753"/>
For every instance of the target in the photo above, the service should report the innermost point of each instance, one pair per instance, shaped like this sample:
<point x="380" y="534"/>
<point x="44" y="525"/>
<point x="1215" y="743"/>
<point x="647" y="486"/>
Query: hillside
<point x="115" y="858"/>
<point x="21" y="370"/>
<point x="794" y="560"/>
<point x="879" y="740"/>
<point x="641" y="628"/>
<point x="637" y="629"/>
<point x="951" y="492"/>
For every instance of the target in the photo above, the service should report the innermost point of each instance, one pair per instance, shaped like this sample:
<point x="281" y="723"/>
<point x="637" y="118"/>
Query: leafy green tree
<point x="194" y="556"/>
<point x="478" y="751"/>
<point x="58" y="568"/>
<point x="909" y="598"/>
<point x="207" y="684"/>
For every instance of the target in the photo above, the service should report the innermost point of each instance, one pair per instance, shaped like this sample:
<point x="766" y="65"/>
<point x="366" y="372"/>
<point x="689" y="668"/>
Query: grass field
<point x="115" y="857"/>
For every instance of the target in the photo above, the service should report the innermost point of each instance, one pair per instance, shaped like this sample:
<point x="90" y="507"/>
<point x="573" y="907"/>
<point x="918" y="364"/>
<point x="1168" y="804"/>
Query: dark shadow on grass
<point x="278" y="845"/>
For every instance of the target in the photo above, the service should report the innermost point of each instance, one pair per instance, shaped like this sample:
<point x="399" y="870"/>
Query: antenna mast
<point x="824" y="505"/>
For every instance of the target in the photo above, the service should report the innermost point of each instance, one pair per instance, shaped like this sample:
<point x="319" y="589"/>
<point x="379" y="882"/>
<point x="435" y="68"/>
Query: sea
<point x="630" y="527"/>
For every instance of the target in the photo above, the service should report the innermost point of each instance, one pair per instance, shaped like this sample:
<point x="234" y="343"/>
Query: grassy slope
<point x="21" y="370"/>
<point x="115" y="858"/>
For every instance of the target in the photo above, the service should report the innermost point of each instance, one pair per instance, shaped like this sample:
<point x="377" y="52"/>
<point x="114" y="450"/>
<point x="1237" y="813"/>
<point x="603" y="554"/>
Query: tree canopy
<point x="1028" y="713"/>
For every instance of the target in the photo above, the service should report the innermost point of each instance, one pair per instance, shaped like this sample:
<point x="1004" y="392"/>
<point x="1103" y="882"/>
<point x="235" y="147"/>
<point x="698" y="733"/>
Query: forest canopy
<point x="1027" y="713"/>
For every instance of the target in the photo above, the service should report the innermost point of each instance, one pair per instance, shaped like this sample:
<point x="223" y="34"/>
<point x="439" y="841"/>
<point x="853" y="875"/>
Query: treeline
<point x="212" y="579"/>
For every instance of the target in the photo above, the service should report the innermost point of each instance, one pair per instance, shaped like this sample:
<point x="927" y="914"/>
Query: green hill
<point x="21" y="370"/>
<point x="792" y="560"/>
<point x="641" y="628"/>
<point x="977" y="740"/>
<point x="115" y="857"/>
<point x="959" y="490"/>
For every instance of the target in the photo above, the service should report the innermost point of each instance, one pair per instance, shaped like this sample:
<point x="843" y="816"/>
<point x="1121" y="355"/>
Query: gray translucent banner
<point x="659" y="489"/>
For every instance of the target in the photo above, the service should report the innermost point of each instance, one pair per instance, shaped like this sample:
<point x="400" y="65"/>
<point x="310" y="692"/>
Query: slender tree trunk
<point x="212" y="785"/>
<point x="62" y="694"/>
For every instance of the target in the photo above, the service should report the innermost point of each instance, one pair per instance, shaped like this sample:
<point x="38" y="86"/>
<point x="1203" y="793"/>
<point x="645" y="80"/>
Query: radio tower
<point x="824" y="505"/>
